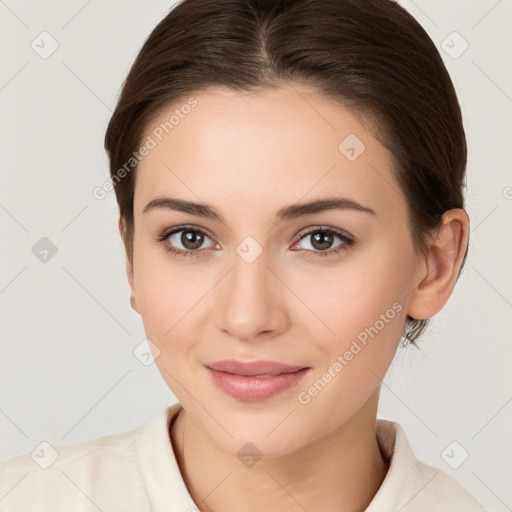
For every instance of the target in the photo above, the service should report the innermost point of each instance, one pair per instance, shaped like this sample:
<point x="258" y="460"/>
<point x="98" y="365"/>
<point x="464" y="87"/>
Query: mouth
<point x="254" y="380"/>
<point x="253" y="368"/>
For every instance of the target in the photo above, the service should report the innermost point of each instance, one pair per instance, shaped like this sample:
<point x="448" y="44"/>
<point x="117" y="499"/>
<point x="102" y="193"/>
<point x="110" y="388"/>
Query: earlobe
<point x="443" y="260"/>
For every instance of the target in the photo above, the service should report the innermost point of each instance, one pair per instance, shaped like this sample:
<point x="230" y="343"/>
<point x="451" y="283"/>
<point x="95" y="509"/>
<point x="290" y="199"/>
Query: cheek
<point x="170" y="307"/>
<point x="158" y="292"/>
<point x="168" y="302"/>
<point x="171" y="299"/>
<point x="347" y="298"/>
<point x="362" y="307"/>
<point x="364" y="311"/>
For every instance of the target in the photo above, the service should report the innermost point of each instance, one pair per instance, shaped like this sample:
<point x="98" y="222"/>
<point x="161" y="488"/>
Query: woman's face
<point x="256" y="285"/>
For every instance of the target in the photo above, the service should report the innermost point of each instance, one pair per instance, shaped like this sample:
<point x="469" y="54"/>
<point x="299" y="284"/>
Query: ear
<point x="129" y="267"/>
<point x="444" y="258"/>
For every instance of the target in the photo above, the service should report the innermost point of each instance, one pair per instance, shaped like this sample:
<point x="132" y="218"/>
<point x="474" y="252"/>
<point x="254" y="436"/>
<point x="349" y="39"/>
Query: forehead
<point x="257" y="147"/>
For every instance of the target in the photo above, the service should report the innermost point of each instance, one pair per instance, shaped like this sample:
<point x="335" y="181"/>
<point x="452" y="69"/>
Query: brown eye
<point x="186" y="241"/>
<point x="322" y="240"/>
<point x="191" y="239"/>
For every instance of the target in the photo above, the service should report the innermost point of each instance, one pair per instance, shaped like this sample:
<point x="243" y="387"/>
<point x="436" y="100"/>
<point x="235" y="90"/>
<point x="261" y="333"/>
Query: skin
<point x="248" y="155"/>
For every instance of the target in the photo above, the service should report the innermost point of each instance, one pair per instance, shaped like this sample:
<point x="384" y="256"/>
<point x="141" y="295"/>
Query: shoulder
<point x="413" y="486"/>
<point x="431" y="489"/>
<point x="103" y="473"/>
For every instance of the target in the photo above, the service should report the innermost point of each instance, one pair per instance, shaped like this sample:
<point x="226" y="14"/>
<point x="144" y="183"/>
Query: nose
<point x="252" y="302"/>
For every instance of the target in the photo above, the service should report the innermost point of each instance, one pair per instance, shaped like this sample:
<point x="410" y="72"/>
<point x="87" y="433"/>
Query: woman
<point x="289" y="176"/>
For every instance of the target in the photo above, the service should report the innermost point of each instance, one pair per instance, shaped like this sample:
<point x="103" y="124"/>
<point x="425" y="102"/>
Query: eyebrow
<point x="284" y="214"/>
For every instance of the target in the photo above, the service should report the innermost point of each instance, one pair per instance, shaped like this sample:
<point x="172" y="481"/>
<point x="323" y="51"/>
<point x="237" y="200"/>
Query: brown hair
<point x="369" y="54"/>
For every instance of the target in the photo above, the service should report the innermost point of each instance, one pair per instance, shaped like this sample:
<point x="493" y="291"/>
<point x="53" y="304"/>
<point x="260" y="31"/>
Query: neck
<point x="342" y="470"/>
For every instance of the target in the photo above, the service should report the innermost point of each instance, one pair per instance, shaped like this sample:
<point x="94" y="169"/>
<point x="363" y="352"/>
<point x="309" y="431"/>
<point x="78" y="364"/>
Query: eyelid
<point x="313" y="229"/>
<point x="301" y="234"/>
<point x="176" y="229"/>
<point x="346" y="238"/>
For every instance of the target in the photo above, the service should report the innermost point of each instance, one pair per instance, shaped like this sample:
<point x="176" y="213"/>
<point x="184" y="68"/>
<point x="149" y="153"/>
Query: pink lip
<point x="254" y="380"/>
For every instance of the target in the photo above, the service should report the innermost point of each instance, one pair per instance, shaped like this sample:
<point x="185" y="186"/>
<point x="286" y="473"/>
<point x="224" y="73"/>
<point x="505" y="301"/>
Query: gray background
<point x="67" y="368"/>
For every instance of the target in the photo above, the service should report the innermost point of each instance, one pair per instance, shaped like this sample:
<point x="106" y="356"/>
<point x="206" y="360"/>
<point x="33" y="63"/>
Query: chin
<point x="272" y="433"/>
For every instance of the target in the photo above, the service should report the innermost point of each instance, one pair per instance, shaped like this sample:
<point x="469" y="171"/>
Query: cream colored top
<point x="137" y="471"/>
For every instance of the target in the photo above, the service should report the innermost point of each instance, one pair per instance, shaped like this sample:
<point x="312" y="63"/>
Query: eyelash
<point x="346" y="239"/>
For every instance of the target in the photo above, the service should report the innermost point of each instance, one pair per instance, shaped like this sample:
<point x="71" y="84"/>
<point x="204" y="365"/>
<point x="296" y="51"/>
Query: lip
<point x="252" y="368"/>
<point x="254" y="380"/>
